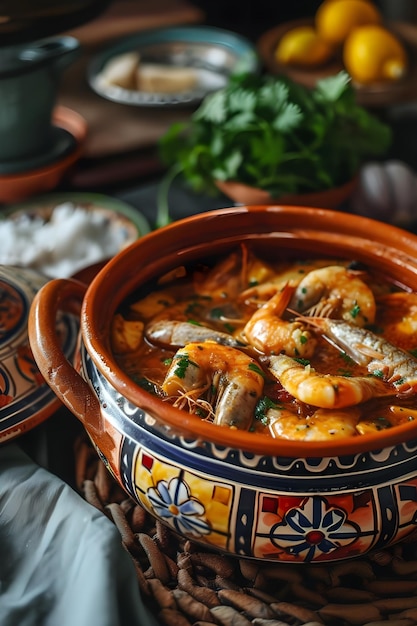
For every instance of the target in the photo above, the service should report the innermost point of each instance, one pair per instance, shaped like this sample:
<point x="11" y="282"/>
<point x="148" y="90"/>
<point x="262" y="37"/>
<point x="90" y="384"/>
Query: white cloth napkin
<point x="61" y="560"/>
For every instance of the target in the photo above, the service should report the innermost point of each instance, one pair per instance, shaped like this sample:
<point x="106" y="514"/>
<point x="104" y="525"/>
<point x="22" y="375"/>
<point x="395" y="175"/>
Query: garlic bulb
<point x="386" y="191"/>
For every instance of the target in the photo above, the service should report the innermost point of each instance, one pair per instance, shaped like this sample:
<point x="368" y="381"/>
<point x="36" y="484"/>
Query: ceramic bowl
<point x="238" y="492"/>
<point x="85" y="228"/>
<point x="25" y="398"/>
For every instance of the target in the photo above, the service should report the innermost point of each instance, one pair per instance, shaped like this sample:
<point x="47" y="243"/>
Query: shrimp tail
<point x="324" y="390"/>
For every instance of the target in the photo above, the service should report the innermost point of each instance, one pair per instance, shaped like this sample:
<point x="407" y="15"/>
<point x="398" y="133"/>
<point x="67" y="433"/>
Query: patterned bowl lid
<point x="25" y="398"/>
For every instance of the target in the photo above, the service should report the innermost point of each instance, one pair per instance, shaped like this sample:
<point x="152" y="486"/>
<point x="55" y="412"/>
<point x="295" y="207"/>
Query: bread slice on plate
<point x="158" y="78"/>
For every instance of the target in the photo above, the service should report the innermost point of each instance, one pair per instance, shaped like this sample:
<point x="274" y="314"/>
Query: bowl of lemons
<point x="379" y="56"/>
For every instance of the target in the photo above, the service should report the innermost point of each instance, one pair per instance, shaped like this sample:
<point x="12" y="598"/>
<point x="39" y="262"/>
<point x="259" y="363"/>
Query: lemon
<point x="335" y="19"/>
<point x="302" y="46"/>
<point x="373" y="53"/>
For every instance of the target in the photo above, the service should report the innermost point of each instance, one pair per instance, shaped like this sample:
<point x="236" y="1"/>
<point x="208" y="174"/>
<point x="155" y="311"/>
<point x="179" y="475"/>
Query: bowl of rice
<point x="62" y="234"/>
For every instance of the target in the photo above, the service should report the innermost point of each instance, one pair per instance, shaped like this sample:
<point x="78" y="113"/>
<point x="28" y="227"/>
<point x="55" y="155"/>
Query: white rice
<point x="71" y="239"/>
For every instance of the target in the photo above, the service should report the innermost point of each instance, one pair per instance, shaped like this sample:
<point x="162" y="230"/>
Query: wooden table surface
<point x="116" y="128"/>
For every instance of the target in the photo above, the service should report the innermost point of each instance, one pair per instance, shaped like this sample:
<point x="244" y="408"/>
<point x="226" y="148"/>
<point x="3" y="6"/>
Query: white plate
<point x="214" y="53"/>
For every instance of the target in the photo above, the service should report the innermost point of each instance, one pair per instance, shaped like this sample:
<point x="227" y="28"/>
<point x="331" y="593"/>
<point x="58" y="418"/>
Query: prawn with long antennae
<point x="335" y="291"/>
<point x="269" y="333"/>
<point x="229" y="380"/>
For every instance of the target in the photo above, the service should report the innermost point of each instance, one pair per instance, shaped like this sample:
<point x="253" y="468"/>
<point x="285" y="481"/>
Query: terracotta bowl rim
<point x="94" y="329"/>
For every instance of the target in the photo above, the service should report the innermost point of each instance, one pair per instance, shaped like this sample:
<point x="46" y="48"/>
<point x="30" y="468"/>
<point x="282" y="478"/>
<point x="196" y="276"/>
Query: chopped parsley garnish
<point x="183" y="361"/>
<point x="347" y="359"/>
<point x="255" y="368"/>
<point x="356" y="309"/>
<point x="262" y="407"/>
<point x="378" y="374"/>
<point x="304" y="362"/>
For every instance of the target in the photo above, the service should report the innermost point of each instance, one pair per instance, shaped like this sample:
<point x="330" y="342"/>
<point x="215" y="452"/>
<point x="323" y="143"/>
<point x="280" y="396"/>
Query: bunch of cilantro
<point x="272" y="133"/>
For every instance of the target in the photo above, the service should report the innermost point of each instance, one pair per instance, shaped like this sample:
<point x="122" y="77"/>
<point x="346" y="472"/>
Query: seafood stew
<point x="314" y="349"/>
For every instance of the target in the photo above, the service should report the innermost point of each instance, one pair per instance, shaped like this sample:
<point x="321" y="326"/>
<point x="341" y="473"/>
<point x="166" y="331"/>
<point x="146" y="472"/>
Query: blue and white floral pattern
<point x="172" y="501"/>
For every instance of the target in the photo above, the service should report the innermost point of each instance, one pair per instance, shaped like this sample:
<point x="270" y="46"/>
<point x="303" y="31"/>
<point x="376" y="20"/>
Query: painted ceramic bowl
<point x="239" y="492"/>
<point x="25" y="398"/>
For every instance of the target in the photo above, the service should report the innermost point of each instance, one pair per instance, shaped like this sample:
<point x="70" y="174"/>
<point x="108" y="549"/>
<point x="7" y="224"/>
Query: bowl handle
<point x="61" y="295"/>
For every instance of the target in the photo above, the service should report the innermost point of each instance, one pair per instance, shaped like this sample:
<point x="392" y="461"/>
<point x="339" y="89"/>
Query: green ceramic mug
<point x="29" y="79"/>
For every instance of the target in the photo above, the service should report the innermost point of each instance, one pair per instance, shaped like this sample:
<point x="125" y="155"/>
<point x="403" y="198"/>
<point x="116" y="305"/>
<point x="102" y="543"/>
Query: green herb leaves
<point x="272" y="133"/>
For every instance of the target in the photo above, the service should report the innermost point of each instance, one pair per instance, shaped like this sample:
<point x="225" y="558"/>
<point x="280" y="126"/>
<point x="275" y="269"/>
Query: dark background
<point x="253" y="17"/>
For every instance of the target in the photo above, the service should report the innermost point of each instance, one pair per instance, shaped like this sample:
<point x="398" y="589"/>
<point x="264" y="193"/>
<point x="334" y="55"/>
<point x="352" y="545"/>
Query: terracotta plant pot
<point x="247" y="494"/>
<point x="326" y="199"/>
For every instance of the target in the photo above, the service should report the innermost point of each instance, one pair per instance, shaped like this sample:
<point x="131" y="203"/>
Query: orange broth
<point x="211" y="296"/>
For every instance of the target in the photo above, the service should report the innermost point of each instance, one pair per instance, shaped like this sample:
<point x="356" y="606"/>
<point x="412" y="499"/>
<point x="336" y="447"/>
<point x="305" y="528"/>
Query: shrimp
<point x="176" y="334"/>
<point x="337" y="291"/>
<point x="381" y="358"/>
<point x="389" y="416"/>
<point x="291" y="273"/>
<point x="269" y="333"/>
<point x="326" y="391"/>
<point x="322" y="425"/>
<point x="398" y="316"/>
<point x="232" y="274"/>
<point x="257" y="295"/>
<point x="224" y="378"/>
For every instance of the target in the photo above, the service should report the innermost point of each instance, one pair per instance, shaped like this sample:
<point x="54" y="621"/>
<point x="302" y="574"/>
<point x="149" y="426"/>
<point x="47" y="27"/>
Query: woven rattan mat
<point x="185" y="585"/>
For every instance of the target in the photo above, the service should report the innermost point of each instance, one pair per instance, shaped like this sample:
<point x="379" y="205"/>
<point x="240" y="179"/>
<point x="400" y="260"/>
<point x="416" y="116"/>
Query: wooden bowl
<point x="381" y="94"/>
